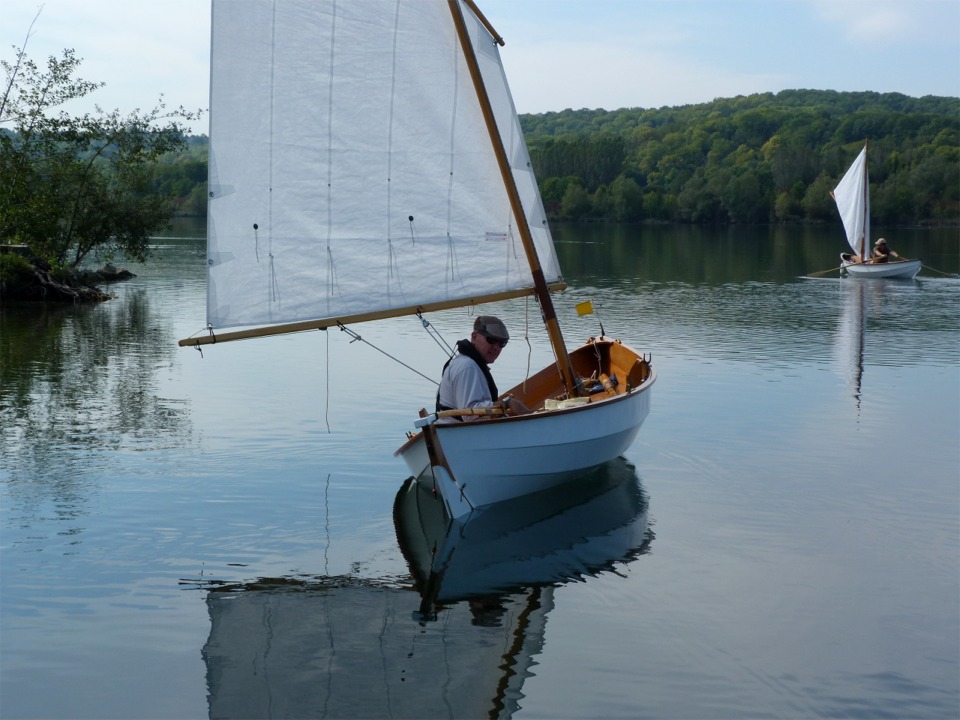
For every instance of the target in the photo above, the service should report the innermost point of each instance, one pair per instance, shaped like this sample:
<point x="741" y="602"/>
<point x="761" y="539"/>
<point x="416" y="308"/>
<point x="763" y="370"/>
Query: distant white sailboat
<point x="367" y="162"/>
<point x="852" y="195"/>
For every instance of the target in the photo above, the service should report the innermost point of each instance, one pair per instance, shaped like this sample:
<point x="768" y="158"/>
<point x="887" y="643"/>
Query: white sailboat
<point x="852" y="195"/>
<point x="367" y="162"/>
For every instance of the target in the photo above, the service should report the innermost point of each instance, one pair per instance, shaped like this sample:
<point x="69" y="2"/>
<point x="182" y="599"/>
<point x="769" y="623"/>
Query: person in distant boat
<point x="881" y="252"/>
<point x="466" y="380"/>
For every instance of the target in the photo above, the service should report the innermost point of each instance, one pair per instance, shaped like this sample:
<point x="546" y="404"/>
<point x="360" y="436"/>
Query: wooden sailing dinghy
<point x="367" y="162"/>
<point x="852" y="195"/>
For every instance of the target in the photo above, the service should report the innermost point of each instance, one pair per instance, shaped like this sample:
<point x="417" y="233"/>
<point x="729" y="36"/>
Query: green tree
<point x="788" y="205"/>
<point x="576" y="202"/>
<point x="817" y="202"/>
<point x="627" y="199"/>
<point x="552" y="192"/>
<point x="73" y="185"/>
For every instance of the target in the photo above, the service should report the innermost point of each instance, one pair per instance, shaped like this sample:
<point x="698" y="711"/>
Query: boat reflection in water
<point x="862" y="302"/>
<point x="345" y="647"/>
<point x="850" y="344"/>
<point x="537" y="540"/>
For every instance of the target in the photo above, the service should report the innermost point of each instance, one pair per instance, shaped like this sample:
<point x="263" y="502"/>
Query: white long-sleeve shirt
<point x="463" y="385"/>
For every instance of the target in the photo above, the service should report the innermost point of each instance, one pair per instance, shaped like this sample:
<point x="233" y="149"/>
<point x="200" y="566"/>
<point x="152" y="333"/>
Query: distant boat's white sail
<point x="852" y="195"/>
<point x="332" y="124"/>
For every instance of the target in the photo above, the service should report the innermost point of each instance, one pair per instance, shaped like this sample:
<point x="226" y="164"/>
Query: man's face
<point x="489" y="348"/>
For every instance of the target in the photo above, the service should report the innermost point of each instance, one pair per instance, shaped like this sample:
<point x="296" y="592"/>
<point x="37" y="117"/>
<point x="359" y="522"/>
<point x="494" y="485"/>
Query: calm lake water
<point x="228" y="534"/>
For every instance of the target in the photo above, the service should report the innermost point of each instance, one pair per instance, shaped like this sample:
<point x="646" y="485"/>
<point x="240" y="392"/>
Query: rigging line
<point x="513" y="249"/>
<point x="326" y="412"/>
<point x="452" y="264"/>
<point x="927" y="267"/>
<point x="435" y="335"/>
<point x="356" y="337"/>
<point x="333" y="284"/>
<point x="330" y="274"/>
<point x="326" y="527"/>
<point x="413" y="232"/>
<point x="393" y="264"/>
<point x="526" y="337"/>
<point x="274" y="286"/>
<point x="600" y="319"/>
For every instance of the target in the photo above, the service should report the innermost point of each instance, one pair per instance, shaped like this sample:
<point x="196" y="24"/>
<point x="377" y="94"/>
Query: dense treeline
<point x="761" y="158"/>
<point x="183" y="177"/>
<point x="756" y="159"/>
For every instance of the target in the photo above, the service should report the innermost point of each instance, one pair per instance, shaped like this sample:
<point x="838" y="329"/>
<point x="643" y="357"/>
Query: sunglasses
<point x="495" y="341"/>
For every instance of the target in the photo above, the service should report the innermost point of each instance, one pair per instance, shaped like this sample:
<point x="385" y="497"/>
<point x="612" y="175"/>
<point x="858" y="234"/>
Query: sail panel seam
<point x="391" y="259"/>
<point x="273" y="290"/>
<point x="331" y="278"/>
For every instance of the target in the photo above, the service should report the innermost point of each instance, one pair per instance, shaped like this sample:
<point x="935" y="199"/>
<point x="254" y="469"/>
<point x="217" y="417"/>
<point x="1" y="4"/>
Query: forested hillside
<point x="756" y="159"/>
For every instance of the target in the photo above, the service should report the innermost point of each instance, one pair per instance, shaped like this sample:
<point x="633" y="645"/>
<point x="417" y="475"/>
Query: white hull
<point x="497" y="459"/>
<point x="899" y="269"/>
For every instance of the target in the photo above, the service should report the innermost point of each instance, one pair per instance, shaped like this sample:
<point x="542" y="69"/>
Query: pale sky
<point x="559" y="53"/>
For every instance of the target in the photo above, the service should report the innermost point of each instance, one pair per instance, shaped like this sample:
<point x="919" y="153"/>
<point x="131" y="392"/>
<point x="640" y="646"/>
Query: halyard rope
<point x="356" y="337"/>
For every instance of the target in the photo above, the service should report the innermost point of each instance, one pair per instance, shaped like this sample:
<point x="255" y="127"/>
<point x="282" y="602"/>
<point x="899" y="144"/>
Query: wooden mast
<point x="541" y="290"/>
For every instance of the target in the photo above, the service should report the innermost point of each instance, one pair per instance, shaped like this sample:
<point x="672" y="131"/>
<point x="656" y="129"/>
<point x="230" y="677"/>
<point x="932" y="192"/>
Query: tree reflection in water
<point x="82" y="380"/>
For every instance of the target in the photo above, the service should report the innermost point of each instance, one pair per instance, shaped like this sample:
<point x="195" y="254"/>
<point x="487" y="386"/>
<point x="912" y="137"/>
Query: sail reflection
<point x="346" y="647"/>
<point x="869" y="313"/>
<point x="851" y="336"/>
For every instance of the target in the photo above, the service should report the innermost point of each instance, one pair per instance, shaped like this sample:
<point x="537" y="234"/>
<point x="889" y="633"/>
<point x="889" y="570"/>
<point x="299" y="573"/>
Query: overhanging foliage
<point x="74" y="185"/>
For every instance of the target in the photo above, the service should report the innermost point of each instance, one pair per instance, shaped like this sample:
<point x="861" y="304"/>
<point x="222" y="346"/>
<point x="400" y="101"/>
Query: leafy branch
<point x="78" y="184"/>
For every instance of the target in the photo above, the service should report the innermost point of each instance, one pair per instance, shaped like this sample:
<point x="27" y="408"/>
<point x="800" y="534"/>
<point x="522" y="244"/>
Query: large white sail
<point x="351" y="170"/>
<point x="852" y="195"/>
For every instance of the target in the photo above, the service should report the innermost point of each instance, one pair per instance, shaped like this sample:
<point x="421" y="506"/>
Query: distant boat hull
<point x="897" y="269"/>
<point x="475" y="464"/>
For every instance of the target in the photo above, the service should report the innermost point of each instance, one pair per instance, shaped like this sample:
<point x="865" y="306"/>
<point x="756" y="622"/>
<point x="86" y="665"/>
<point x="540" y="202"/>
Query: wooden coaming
<point x="599" y="356"/>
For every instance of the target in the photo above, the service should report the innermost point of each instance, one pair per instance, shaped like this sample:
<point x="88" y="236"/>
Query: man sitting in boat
<point x="466" y="381"/>
<point x="881" y="252"/>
